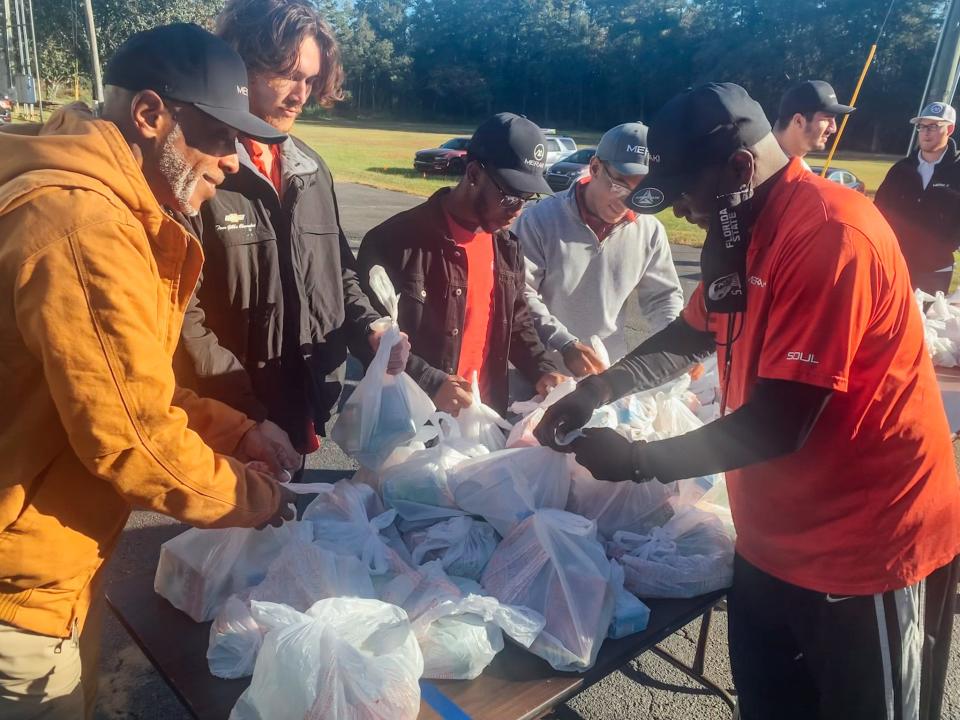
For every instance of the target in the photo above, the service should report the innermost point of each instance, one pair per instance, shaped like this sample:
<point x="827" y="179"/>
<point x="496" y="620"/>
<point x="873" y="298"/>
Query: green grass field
<point x="381" y="155"/>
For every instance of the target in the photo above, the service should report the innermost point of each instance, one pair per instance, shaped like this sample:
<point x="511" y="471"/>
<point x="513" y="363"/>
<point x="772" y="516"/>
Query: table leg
<point x="695" y="671"/>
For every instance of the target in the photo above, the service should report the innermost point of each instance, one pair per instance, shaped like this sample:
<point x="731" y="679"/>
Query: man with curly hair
<point x="279" y="303"/>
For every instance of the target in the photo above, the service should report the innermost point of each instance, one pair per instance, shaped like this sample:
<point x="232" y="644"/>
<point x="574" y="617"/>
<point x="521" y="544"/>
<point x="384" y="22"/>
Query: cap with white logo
<point x="186" y="63"/>
<point x="514" y="151"/>
<point x="937" y="111"/>
<point x="624" y="148"/>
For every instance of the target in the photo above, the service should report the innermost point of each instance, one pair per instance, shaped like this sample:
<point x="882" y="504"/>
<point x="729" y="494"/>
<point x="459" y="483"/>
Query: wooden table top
<point x="515" y="685"/>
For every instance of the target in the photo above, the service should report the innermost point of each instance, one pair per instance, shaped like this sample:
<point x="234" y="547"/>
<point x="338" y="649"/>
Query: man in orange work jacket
<point x="97" y="277"/>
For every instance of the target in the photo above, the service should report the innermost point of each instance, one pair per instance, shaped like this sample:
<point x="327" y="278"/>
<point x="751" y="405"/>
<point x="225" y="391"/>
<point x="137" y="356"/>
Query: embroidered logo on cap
<point x="936" y="109"/>
<point x="539" y="152"/>
<point x="649" y="198"/>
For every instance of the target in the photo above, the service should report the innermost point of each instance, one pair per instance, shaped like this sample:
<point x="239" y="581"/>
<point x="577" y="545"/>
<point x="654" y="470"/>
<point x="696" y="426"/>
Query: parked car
<point x="843" y="177"/>
<point x="558" y="147"/>
<point x="563" y="174"/>
<point x="447" y="159"/>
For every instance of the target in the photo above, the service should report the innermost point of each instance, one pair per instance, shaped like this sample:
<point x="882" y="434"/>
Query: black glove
<point x="609" y="456"/>
<point x="572" y="411"/>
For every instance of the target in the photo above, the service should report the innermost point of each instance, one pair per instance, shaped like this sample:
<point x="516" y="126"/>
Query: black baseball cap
<point x="514" y="151"/>
<point x="809" y="97"/>
<point x="186" y="63"/>
<point x="698" y="128"/>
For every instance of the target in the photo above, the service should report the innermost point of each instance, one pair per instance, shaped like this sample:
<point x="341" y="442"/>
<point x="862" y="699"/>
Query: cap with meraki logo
<point x="624" y="148"/>
<point x="514" y="151"/>
<point x="184" y="62"/>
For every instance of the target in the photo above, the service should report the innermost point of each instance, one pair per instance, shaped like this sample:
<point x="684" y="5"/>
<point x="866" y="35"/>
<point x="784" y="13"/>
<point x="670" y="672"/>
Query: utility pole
<point x="942" y="79"/>
<point x="94" y="54"/>
<point x="6" y="70"/>
<point x="36" y="61"/>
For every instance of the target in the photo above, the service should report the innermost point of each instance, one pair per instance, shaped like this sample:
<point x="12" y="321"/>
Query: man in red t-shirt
<point x="838" y="456"/>
<point x="460" y="275"/>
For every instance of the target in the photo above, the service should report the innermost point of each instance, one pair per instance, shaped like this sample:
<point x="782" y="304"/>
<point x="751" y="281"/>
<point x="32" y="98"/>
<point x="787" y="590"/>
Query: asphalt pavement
<point x="648" y="688"/>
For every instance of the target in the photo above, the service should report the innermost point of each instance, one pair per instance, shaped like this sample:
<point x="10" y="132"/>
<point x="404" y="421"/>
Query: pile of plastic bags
<point x="941" y="327"/>
<point x="461" y="530"/>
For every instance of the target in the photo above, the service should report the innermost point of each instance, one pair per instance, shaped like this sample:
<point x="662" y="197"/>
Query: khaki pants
<point x="40" y="676"/>
<point x="47" y="678"/>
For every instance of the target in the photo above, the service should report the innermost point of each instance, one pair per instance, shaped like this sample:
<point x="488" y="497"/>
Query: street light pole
<point x="94" y="53"/>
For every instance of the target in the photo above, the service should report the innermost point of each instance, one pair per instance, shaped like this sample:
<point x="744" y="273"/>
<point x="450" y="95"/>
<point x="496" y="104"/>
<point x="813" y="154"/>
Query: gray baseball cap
<point x="624" y="148"/>
<point x="937" y="111"/>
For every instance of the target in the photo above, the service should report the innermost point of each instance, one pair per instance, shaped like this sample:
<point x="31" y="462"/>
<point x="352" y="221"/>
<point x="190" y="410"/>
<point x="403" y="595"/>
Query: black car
<point x="564" y="173"/>
<point x="449" y="158"/>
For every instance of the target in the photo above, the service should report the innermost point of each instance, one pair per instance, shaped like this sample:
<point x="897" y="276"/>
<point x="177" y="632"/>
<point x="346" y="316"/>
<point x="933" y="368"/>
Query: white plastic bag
<point x="691" y="555"/>
<point x="463" y="545"/>
<point x="521" y="435"/>
<point x="199" y="569"/>
<point x="302" y="574"/>
<point x="419" y="487"/>
<point x="630" y="616"/>
<point x="482" y="424"/>
<point x="384" y="410"/>
<point x="636" y="507"/>
<point x="505" y="487"/>
<point x="553" y="564"/>
<point x="348" y="520"/>
<point x="344" y="659"/>
<point x="459" y="635"/>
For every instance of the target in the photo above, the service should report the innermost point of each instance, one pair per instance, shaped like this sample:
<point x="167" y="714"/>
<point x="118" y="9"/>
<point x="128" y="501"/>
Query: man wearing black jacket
<point x="459" y="271"/>
<point x="279" y="302"/>
<point x="920" y="197"/>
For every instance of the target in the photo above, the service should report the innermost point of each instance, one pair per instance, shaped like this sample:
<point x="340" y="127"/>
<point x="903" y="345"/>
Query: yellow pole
<point x="853" y="101"/>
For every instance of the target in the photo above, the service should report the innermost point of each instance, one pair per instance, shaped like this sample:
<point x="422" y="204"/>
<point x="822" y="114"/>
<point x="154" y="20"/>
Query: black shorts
<point x="797" y="654"/>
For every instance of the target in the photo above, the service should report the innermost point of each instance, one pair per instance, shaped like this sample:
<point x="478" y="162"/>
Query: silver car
<point x="558" y="147"/>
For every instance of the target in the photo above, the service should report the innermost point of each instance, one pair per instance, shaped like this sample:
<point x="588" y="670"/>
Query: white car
<point x="558" y="147"/>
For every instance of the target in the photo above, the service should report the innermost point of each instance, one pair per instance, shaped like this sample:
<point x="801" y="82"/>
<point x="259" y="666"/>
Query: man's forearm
<point x="658" y="359"/>
<point x="775" y="422"/>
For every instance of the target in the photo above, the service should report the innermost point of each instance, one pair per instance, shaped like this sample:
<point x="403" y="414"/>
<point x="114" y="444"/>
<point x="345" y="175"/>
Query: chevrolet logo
<point x="233" y="218"/>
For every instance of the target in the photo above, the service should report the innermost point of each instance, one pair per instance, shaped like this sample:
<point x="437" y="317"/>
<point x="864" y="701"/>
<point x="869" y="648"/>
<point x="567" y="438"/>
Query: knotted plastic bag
<point x="691" y="555"/>
<point x="344" y="659"/>
<point x="553" y="564"/>
<point x="462" y="545"/>
<point x="302" y="574"/>
<point x="350" y="520"/>
<point x="505" y="487"/>
<point x="460" y="635"/>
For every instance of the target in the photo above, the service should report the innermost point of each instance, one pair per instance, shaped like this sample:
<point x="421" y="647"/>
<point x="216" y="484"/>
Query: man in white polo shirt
<point x="920" y="198"/>
<point x="586" y="253"/>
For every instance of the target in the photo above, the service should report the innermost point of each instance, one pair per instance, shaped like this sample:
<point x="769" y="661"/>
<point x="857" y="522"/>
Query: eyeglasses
<point x="617" y="189"/>
<point x="929" y="127"/>
<point x="507" y="200"/>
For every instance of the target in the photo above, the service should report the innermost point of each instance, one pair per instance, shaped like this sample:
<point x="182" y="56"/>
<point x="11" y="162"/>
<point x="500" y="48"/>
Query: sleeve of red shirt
<point x="824" y="288"/>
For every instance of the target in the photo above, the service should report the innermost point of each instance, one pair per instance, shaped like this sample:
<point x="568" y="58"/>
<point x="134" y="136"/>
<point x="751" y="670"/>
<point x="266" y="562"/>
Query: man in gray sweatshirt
<point x="586" y="253"/>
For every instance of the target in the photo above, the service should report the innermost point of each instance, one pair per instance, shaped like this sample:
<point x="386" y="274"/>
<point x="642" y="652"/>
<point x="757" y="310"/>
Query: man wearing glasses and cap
<point x="587" y="253"/>
<point x="920" y="197"/>
<point x="838" y="456"/>
<point x="459" y="271"/>
<point x="807" y="117"/>
<point x="97" y="276"/>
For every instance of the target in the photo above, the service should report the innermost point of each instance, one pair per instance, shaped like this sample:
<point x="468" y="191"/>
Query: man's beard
<point x="181" y="178"/>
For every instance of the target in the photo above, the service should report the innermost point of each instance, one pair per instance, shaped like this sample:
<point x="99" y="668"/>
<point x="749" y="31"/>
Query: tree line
<point x="573" y="63"/>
